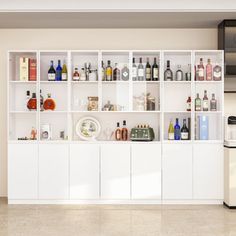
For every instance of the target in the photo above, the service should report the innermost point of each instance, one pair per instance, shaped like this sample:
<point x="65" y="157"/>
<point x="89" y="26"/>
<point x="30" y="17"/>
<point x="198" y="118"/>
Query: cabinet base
<point x="230" y="207"/>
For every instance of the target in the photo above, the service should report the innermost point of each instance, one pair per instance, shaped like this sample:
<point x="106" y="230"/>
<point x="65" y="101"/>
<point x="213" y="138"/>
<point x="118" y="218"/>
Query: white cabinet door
<point x="22" y="171"/>
<point x="177" y="171"/>
<point x="146" y="171"/>
<point x="84" y="171"/>
<point x="115" y="171"/>
<point x="53" y="171"/>
<point x="208" y="171"/>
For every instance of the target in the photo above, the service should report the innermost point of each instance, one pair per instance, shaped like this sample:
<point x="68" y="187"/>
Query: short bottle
<point x="148" y="71"/>
<point x="171" y="131"/>
<point x="198" y="105"/>
<point x="41" y="101"/>
<point x="168" y="75"/>
<point x="32" y="103"/>
<point x="189" y="104"/>
<point x="200" y="71"/>
<point x="125" y="73"/>
<point x="51" y="73"/>
<point x="109" y="71"/>
<point x="59" y="71"/>
<point x="213" y="103"/>
<point x="209" y="70"/>
<point x="116" y="73"/>
<point x="140" y="70"/>
<point x="177" y="130"/>
<point x="205" y="105"/>
<point x="124" y="132"/>
<point x="76" y="74"/>
<point x="179" y="74"/>
<point x="184" y="131"/>
<point x="134" y="71"/>
<point x="33" y="134"/>
<point x="217" y="73"/>
<point x="49" y="103"/>
<point x="118" y="132"/>
<point x="155" y="70"/>
<point x="64" y="75"/>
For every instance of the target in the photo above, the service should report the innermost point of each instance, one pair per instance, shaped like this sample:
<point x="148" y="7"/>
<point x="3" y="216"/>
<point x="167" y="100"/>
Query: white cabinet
<point x="115" y="171"/>
<point x="146" y="171"/>
<point x="177" y="171"/>
<point x="53" y="171"/>
<point x="23" y="171"/>
<point x="84" y="171"/>
<point x="208" y="171"/>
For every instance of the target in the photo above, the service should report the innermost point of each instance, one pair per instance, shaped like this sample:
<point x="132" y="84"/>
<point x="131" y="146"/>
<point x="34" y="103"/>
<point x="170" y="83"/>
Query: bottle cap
<point x="28" y="93"/>
<point x="124" y="122"/>
<point x="33" y="95"/>
<point x="118" y="124"/>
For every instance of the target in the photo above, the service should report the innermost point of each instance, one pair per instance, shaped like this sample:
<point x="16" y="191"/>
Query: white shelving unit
<point x="71" y="105"/>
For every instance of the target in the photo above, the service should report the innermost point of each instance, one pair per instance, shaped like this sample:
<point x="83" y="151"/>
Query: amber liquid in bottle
<point x="49" y="103"/>
<point x="118" y="132"/>
<point x="32" y="103"/>
<point x="124" y="132"/>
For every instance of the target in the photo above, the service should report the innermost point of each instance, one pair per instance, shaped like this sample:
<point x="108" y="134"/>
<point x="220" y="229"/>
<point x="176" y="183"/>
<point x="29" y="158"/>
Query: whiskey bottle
<point x="217" y="73"/>
<point x="124" y="132"/>
<point x="213" y="103"/>
<point x="198" y="106"/>
<point x="109" y="71"/>
<point x="184" y="131"/>
<point x="209" y="70"/>
<point x="51" y="73"/>
<point x="134" y="71"/>
<point x="171" y="131"/>
<point x="155" y="70"/>
<point x="59" y="71"/>
<point x="168" y="75"/>
<point x="125" y="73"/>
<point x="118" y="132"/>
<point x="64" y="72"/>
<point x="189" y="104"/>
<point x="200" y="72"/>
<point x="177" y="130"/>
<point x="140" y="70"/>
<point x="205" y="102"/>
<point x="148" y="71"/>
<point x="116" y="73"/>
<point x="179" y="74"/>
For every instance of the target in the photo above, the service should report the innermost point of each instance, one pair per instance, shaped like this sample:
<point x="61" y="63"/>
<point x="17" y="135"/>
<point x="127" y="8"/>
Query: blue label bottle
<point x="59" y="71"/>
<point x="177" y="130"/>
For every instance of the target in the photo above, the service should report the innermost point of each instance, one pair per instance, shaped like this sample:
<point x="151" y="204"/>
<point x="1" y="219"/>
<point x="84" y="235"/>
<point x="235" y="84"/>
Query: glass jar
<point x="32" y="103"/>
<point x="49" y="103"/>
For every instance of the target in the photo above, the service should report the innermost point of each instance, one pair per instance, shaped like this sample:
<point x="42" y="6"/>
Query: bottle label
<point x="140" y="72"/>
<point x="155" y="73"/>
<point x="205" y="105"/>
<point x="184" y="135"/>
<point x="134" y="72"/>
<point x="148" y="73"/>
<point x="51" y="76"/>
<point x="201" y="72"/>
<point x="171" y="136"/>
<point x="64" y="76"/>
<point x="188" y="106"/>
<point x="217" y="74"/>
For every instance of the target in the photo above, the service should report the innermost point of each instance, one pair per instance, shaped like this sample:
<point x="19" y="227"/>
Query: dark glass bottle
<point x="116" y="73"/>
<point x="184" y="131"/>
<point x="155" y="70"/>
<point x="177" y="130"/>
<point x="124" y="132"/>
<point x="51" y="73"/>
<point x="168" y="75"/>
<point x="32" y="103"/>
<point x="59" y="71"/>
<point x="148" y="71"/>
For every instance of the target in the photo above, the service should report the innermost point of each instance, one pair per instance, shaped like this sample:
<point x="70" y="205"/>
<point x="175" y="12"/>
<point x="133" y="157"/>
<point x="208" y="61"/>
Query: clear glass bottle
<point x="168" y="75"/>
<point x="177" y="130"/>
<point x="213" y="103"/>
<point x="116" y="73"/>
<point x="125" y="73"/>
<point x="109" y="71"/>
<point x="209" y="70"/>
<point x="103" y="69"/>
<point x="140" y="70"/>
<point x="148" y="71"/>
<point x="49" y="103"/>
<point x="198" y="105"/>
<point x="134" y="70"/>
<point x="200" y="71"/>
<point x="217" y="73"/>
<point x="205" y="105"/>
<point x="188" y="74"/>
<point x="155" y="70"/>
<point x="82" y="76"/>
<point x="184" y="131"/>
<point x="51" y="73"/>
<point x="171" y="131"/>
<point x="59" y="71"/>
<point x="179" y="74"/>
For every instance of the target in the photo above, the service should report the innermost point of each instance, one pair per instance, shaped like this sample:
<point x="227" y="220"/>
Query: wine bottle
<point x="148" y="71"/>
<point x="134" y="71"/>
<point x="51" y="73"/>
<point x="116" y="73"/>
<point x="59" y="71"/>
<point x="177" y="130"/>
<point x="179" y="74"/>
<point x="168" y="75"/>
<point x="184" y="131"/>
<point x="155" y="70"/>
<point x="140" y="70"/>
<point x="108" y="71"/>
<point x="171" y="131"/>
<point x="64" y="72"/>
<point x="209" y="70"/>
<point x="198" y="106"/>
<point x="205" y="102"/>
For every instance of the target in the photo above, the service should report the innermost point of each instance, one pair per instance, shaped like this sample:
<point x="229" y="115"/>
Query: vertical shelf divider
<point x="69" y="84"/>
<point x="130" y="82"/>
<point x="100" y="59"/>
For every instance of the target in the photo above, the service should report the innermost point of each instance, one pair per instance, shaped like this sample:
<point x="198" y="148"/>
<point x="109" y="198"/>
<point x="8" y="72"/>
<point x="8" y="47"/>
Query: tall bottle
<point x="205" y="102"/>
<point x="125" y="73"/>
<point x="155" y="70"/>
<point x="116" y="72"/>
<point x="184" y="131"/>
<point x="168" y="75"/>
<point x="108" y="71"/>
<point x="51" y="73"/>
<point x="213" y="103"/>
<point x="118" y="132"/>
<point x="198" y="103"/>
<point x="148" y="71"/>
<point x="41" y="101"/>
<point x="27" y="98"/>
<point x="209" y="70"/>
<point x="140" y="70"/>
<point x="64" y="72"/>
<point x="200" y="71"/>
<point x="103" y="69"/>
<point x="171" y="131"/>
<point x="59" y="71"/>
<point x="124" y="132"/>
<point x="179" y="74"/>
<point x="177" y="130"/>
<point x="134" y="70"/>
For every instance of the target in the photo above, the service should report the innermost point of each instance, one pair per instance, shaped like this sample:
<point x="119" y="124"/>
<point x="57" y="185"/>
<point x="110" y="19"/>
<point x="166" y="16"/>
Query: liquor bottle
<point x="49" y="103"/>
<point x="188" y="74"/>
<point x="103" y="69"/>
<point x="134" y="70"/>
<point x="41" y="101"/>
<point x="184" y="131"/>
<point x="205" y="102"/>
<point x="198" y="106"/>
<point x="200" y="73"/>
<point x="51" y="73"/>
<point x="76" y="74"/>
<point x="209" y="70"/>
<point x="118" y="132"/>
<point x="32" y="103"/>
<point x="109" y="71"/>
<point x="148" y="71"/>
<point x="124" y="132"/>
<point x="125" y="73"/>
<point x="33" y="134"/>
<point x="189" y="104"/>
<point x="213" y="103"/>
<point x="155" y="70"/>
<point x="140" y="70"/>
<point x="27" y="98"/>
<point x="177" y="130"/>
<point x="116" y="72"/>
<point x="82" y="76"/>
<point x="217" y="73"/>
<point x="168" y="75"/>
<point x="171" y="131"/>
<point x="58" y="71"/>
<point x="179" y="74"/>
<point x="32" y="69"/>
<point x="64" y="72"/>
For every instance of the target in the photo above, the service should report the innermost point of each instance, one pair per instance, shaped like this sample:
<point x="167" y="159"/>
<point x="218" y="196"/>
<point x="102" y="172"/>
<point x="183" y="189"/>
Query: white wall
<point x="90" y="39"/>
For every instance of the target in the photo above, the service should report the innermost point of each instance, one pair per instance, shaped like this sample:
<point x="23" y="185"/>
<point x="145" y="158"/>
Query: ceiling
<point x="113" y="19"/>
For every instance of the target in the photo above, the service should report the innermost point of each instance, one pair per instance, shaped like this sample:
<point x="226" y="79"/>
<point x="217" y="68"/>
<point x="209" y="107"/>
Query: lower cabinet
<point x="23" y="171"/>
<point x="177" y="171"/>
<point x="208" y="165"/>
<point x="53" y="171"/>
<point x="115" y="171"/>
<point x="84" y="171"/>
<point x="146" y="171"/>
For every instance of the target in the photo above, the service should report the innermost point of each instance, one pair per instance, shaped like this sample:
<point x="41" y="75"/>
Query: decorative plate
<point x="88" y="128"/>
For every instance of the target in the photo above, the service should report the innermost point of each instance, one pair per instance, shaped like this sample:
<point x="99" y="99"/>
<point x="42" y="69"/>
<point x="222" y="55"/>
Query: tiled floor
<point x="122" y="220"/>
